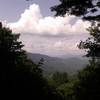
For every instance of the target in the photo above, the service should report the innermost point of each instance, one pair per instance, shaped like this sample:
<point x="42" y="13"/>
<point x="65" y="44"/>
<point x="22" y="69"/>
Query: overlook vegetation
<point x="22" y="78"/>
<point x="86" y="86"/>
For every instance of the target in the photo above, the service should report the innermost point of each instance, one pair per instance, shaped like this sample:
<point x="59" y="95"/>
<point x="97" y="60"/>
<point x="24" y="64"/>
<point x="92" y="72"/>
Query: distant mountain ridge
<point x="54" y="64"/>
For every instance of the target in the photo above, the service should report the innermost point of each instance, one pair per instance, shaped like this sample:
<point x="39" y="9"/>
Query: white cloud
<point x="53" y="46"/>
<point x="32" y="21"/>
<point x="66" y="32"/>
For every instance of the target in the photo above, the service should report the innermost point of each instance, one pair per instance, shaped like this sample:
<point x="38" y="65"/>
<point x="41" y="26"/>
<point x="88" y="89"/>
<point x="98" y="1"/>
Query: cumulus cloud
<point x="32" y="21"/>
<point x="49" y="35"/>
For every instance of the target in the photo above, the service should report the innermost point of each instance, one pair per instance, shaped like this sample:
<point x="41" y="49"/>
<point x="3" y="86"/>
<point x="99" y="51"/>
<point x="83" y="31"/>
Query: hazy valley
<point x="54" y="64"/>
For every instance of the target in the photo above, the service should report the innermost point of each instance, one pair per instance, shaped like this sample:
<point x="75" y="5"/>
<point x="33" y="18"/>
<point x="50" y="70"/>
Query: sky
<point x="10" y="10"/>
<point x="40" y="31"/>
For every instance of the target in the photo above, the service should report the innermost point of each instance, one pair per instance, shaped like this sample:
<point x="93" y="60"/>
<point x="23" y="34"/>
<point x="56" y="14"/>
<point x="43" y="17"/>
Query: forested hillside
<point x="54" y="64"/>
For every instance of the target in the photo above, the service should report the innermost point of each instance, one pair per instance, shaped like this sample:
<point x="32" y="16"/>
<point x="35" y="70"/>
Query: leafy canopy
<point x="19" y="76"/>
<point x="78" y="8"/>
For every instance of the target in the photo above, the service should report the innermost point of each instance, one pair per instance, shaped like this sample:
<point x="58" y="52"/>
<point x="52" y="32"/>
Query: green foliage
<point x="58" y="79"/>
<point x="64" y="84"/>
<point x="88" y="85"/>
<point x="78" y="8"/>
<point x="19" y="76"/>
<point x="67" y="91"/>
<point x="92" y="44"/>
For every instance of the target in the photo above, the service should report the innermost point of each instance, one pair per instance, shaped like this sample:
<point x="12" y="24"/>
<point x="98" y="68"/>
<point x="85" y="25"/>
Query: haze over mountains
<point x="54" y="64"/>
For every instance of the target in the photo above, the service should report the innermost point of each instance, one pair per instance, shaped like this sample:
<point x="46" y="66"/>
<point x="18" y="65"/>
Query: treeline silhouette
<point x="20" y="78"/>
<point x="86" y="84"/>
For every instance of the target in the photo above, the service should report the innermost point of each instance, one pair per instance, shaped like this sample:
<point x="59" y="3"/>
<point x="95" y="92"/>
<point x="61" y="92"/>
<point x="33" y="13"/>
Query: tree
<point x="63" y="84"/>
<point x="92" y="44"/>
<point x="78" y="8"/>
<point x="57" y="79"/>
<point x="19" y="76"/>
<point x="86" y="9"/>
<point x="11" y="52"/>
<point x="88" y="85"/>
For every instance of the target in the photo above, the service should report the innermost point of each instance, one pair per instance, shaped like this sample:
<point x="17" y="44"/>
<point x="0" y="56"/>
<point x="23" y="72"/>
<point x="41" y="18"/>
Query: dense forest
<point x="22" y="78"/>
